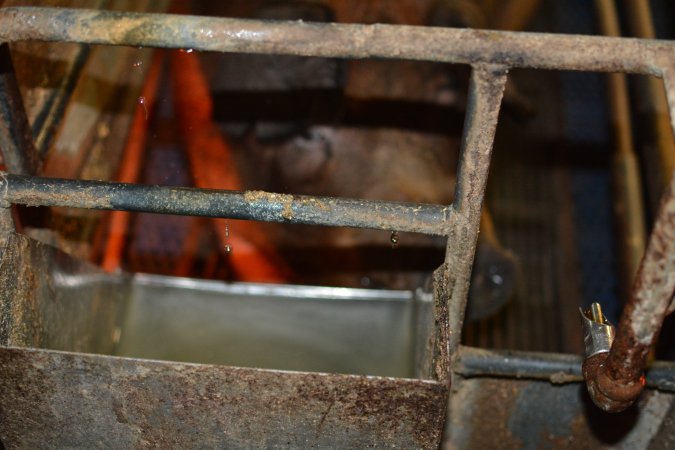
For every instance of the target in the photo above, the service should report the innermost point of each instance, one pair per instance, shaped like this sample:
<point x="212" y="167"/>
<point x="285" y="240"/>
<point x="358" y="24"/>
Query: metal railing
<point x="490" y="53"/>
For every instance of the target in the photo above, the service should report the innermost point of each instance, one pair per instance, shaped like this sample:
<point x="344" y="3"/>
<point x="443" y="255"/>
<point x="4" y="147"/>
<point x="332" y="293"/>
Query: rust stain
<point x="616" y="379"/>
<point x="286" y="201"/>
<point x="151" y="403"/>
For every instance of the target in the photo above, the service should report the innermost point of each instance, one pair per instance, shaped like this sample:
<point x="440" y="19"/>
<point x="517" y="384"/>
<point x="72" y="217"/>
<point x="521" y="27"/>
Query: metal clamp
<point x="598" y="332"/>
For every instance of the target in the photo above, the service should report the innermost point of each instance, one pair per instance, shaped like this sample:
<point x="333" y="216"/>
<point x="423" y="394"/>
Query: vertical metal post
<point x="669" y="84"/>
<point x="6" y="225"/>
<point x="16" y="139"/>
<point x="485" y="96"/>
<point x="6" y="218"/>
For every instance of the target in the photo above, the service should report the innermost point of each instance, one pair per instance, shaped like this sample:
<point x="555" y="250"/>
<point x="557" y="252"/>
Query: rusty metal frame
<point x="249" y="205"/>
<point x="490" y="53"/>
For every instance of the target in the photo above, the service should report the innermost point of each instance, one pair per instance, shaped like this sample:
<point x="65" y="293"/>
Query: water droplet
<point x="186" y="50"/>
<point x="227" y="230"/>
<point x="228" y="248"/>
<point x="394" y="238"/>
<point x="142" y="101"/>
<point x="137" y="64"/>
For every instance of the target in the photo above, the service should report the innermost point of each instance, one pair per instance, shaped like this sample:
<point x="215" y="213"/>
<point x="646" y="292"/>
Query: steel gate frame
<point x="489" y="53"/>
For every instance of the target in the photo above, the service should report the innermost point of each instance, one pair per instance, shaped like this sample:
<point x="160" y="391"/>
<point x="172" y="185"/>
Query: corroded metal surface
<point x="250" y="205"/>
<point x="616" y="379"/>
<point x="556" y="368"/>
<point x="543" y="51"/>
<point x="50" y="300"/>
<point x="521" y="414"/>
<point x="89" y="401"/>
<point x="485" y="95"/>
<point x="6" y="226"/>
<point x="137" y="403"/>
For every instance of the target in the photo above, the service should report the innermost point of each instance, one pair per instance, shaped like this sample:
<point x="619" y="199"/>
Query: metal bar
<point x="485" y="96"/>
<point x="6" y="226"/>
<point x="535" y="50"/>
<point x="46" y="124"/>
<point x="557" y="368"/>
<point x="248" y="205"/>
<point x="629" y="207"/>
<point x="16" y="138"/>
<point x="669" y="84"/>
<point x="615" y="379"/>
<point x="659" y="150"/>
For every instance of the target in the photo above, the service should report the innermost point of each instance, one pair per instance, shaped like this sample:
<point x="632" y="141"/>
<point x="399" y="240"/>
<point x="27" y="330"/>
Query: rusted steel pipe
<point x="535" y="50"/>
<point x="248" y="205"/>
<point x="616" y="378"/>
<point x="557" y="368"/>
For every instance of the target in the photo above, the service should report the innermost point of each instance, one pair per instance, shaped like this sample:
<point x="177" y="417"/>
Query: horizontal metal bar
<point x="556" y="368"/>
<point x="536" y="50"/>
<point x="248" y="205"/>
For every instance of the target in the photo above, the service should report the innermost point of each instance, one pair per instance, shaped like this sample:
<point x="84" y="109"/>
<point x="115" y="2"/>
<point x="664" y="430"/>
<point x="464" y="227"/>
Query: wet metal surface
<point x="543" y="51"/>
<point x="249" y="205"/>
<point x="90" y="401"/>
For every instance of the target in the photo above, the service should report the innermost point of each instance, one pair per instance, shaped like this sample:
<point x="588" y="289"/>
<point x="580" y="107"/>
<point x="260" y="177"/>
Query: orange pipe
<point x="130" y="167"/>
<point x="252" y="256"/>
